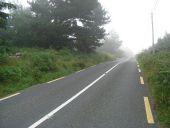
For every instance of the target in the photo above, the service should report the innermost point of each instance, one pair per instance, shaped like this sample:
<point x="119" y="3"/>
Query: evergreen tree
<point x="163" y="44"/>
<point x="57" y="23"/>
<point x="4" y="16"/>
<point x="73" y="24"/>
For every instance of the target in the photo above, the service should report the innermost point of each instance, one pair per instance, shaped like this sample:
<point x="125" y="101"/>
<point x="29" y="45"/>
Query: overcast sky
<point x="131" y="19"/>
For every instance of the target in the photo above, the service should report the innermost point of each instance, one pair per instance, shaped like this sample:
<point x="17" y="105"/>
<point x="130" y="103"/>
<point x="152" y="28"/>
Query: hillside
<point x="26" y="67"/>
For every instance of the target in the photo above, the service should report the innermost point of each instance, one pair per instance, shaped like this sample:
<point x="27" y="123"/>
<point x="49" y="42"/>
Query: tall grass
<point x="40" y="65"/>
<point x="156" y="69"/>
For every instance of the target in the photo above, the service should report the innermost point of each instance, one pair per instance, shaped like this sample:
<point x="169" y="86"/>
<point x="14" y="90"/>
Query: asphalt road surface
<point x="108" y="95"/>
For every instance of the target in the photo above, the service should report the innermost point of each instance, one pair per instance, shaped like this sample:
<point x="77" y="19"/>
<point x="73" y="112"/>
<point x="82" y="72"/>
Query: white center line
<point x="9" y="96"/>
<point x="50" y="114"/>
<point x="112" y="68"/>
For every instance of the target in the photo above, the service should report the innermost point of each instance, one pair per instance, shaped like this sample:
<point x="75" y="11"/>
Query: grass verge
<point x="35" y="66"/>
<point x="156" y="68"/>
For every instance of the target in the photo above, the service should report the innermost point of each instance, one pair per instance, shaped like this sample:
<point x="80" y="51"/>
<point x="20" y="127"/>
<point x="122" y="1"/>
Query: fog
<point x="132" y="20"/>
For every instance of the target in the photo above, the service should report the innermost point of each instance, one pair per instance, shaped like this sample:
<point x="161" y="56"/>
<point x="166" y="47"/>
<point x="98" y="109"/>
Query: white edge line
<point x="68" y="101"/>
<point x="80" y="70"/>
<point x="142" y="80"/>
<point x="9" y="96"/>
<point x="55" y="80"/>
<point x="139" y="70"/>
<point x="92" y="66"/>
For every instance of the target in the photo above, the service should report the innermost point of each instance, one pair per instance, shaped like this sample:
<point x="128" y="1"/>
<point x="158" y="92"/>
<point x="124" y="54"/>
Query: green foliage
<point x="156" y="68"/>
<point x="21" y="33"/>
<point x="44" y="61"/>
<point x="3" y="59"/>
<point x="59" y="24"/>
<point x="5" y="47"/>
<point x="5" y="50"/>
<point x="42" y="65"/>
<point x="3" y="15"/>
<point x="10" y="74"/>
<point x="163" y="44"/>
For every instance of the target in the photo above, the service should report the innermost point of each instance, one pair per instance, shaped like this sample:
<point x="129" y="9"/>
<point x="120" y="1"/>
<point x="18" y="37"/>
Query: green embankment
<point x="38" y="66"/>
<point x="156" y="69"/>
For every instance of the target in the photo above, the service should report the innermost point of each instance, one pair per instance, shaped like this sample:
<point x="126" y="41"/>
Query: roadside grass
<point x="156" y="68"/>
<point x="36" y="66"/>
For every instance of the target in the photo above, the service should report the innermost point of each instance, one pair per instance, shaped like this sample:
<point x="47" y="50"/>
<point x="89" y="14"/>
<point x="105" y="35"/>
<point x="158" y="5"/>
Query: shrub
<point x="3" y="59"/>
<point x="80" y="65"/>
<point x="10" y="73"/>
<point x="42" y="65"/>
<point x="44" y="62"/>
<point x="37" y="74"/>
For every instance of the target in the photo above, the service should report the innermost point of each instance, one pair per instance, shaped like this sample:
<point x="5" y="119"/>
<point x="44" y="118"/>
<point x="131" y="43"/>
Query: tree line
<point x="163" y="44"/>
<point x="57" y="24"/>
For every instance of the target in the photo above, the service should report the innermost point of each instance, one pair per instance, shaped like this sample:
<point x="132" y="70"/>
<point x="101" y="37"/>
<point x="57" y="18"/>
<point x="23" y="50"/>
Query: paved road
<point x="108" y="95"/>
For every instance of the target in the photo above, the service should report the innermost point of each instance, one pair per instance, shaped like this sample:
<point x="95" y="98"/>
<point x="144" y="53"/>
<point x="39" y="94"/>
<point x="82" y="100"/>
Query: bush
<point x="3" y="59"/>
<point x="42" y="65"/>
<point x="37" y="74"/>
<point x="5" y="50"/>
<point x="10" y="73"/>
<point x="43" y="62"/>
<point x="80" y="65"/>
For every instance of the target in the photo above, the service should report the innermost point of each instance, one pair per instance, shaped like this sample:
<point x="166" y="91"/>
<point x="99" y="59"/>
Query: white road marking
<point x="112" y="68"/>
<point x="139" y="70"/>
<point x="141" y="80"/>
<point x="93" y="66"/>
<point x="9" y="96"/>
<point x="80" y="70"/>
<point x="55" y="80"/>
<point x="50" y="114"/>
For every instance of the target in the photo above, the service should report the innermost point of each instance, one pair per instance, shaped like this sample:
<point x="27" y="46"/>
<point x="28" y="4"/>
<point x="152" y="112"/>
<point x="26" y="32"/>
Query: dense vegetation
<point x="3" y="15"/>
<point x="48" y="39"/>
<point x="58" y="24"/>
<point x="156" y="69"/>
<point x="32" y="66"/>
